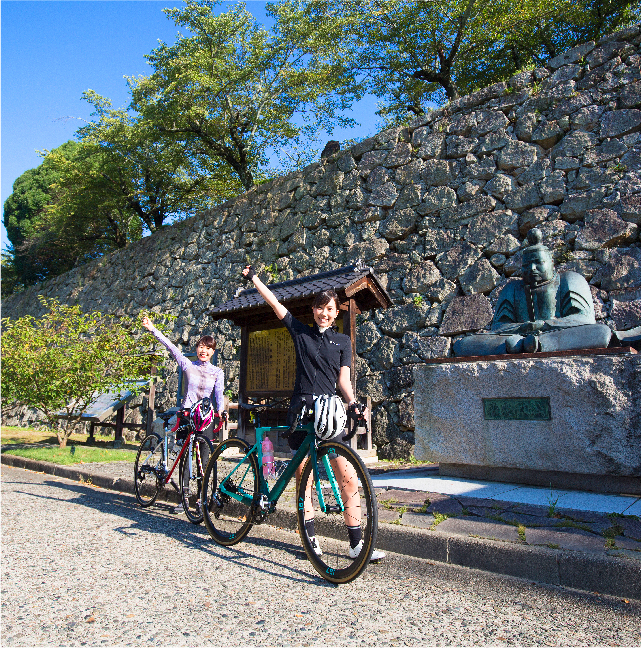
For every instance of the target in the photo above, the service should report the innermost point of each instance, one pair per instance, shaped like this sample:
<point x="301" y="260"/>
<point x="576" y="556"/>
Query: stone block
<point x="622" y="270"/>
<point x="418" y="520"/>
<point x="465" y="314"/>
<point x="594" y="403"/>
<point x="479" y="278"/>
<point x="384" y="196"/>
<point x="620" y="122"/>
<point x="421" y="277"/>
<point x="484" y="228"/>
<point x="516" y="155"/>
<point x="455" y="261"/>
<point x="472" y="527"/>
<point x="626" y="314"/>
<point x="603" y="229"/>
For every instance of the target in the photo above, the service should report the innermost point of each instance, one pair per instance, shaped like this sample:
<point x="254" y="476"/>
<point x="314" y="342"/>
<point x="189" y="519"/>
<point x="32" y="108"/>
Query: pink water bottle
<point x="268" y="457"/>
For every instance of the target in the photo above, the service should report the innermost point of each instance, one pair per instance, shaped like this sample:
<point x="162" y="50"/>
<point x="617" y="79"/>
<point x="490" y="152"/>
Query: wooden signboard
<point x="271" y="361"/>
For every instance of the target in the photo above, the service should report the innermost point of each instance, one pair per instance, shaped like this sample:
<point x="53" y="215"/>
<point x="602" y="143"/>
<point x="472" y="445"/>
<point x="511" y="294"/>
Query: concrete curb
<point x="615" y="576"/>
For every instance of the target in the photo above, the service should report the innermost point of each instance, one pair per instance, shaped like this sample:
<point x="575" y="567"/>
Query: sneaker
<point x="315" y="546"/>
<point x="179" y="509"/>
<point x="376" y="554"/>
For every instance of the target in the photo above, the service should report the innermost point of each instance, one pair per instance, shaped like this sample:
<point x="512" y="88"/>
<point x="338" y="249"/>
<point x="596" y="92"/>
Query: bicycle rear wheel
<point x="228" y="520"/>
<point x="191" y="484"/>
<point x="343" y="482"/>
<point x="147" y="485"/>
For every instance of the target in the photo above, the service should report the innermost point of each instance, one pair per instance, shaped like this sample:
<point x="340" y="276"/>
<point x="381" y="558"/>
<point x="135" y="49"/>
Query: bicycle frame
<point x="308" y="445"/>
<point x="186" y="444"/>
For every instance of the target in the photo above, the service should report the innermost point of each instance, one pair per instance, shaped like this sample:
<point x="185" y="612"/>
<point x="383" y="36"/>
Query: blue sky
<point x="53" y="51"/>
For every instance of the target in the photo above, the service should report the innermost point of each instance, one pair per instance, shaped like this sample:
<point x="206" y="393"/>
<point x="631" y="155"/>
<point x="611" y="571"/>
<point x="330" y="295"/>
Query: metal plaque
<point x="517" y="409"/>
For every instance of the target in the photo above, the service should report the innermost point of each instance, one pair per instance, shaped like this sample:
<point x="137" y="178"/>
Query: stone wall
<point x="439" y="209"/>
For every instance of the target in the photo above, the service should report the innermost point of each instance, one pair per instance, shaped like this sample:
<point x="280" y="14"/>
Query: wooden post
<point x="120" y="419"/>
<point x="349" y="328"/>
<point x="243" y="414"/>
<point x="152" y="402"/>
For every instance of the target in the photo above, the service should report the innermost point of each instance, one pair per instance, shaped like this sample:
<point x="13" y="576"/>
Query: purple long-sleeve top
<point x="203" y="378"/>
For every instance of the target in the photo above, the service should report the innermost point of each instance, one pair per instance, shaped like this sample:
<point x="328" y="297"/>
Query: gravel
<point x="86" y="566"/>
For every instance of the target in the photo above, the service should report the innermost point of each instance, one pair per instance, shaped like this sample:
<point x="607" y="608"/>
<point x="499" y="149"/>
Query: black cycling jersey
<point x="319" y="358"/>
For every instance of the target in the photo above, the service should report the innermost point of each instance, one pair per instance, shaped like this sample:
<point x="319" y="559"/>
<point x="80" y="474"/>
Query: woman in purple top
<point x="203" y="378"/>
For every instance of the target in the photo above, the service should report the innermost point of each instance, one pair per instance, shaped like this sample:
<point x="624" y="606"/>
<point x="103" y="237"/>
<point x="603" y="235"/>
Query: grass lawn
<point x="43" y="446"/>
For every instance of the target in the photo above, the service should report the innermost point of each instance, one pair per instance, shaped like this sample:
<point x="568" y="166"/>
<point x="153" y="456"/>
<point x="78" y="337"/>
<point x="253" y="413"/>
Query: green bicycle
<point x="335" y="489"/>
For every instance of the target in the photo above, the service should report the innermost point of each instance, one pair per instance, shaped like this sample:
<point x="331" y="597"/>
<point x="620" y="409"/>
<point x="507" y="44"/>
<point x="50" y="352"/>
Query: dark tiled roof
<point x="299" y="289"/>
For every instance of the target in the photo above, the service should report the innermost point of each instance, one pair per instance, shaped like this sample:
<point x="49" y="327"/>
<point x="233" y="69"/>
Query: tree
<point x="62" y="361"/>
<point x="412" y="53"/>
<point x="232" y="89"/>
<point x="145" y="175"/>
<point x="98" y="194"/>
<point x="33" y="255"/>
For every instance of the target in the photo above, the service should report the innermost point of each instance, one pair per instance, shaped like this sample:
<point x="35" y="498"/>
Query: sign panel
<point x="271" y="360"/>
<point x="517" y="409"/>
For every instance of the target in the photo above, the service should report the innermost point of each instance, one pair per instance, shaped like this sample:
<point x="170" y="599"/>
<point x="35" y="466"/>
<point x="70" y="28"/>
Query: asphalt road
<point x="86" y="566"/>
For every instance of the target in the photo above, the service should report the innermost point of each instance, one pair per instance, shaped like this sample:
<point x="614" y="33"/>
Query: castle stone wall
<point x="439" y="209"/>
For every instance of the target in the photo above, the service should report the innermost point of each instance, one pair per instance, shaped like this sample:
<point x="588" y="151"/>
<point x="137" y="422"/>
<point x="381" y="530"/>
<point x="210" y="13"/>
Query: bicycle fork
<point x="329" y="471"/>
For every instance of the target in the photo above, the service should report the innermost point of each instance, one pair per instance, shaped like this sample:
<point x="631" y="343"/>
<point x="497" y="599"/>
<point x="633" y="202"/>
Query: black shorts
<point x="296" y="438"/>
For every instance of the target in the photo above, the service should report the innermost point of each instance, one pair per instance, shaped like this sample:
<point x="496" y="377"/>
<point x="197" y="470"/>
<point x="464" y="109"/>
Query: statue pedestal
<point x="568" y="419"/>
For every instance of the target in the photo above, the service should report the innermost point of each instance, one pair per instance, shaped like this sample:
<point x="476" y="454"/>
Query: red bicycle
<point x="158" y="457"/>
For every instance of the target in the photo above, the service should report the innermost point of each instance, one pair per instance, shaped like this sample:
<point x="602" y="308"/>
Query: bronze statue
<point x="545" y="311"/>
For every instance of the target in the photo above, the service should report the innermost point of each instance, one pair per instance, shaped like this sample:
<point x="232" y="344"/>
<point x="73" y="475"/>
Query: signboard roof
<point x="354" y="281"/>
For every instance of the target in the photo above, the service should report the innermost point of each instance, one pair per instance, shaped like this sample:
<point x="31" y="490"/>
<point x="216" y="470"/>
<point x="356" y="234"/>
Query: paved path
<point x="428" y="480"/>
<point x="86" y="566"/>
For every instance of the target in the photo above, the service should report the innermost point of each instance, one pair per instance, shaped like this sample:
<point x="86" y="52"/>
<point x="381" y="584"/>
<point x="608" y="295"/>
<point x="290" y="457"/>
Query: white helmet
<point x="329" y="417"/>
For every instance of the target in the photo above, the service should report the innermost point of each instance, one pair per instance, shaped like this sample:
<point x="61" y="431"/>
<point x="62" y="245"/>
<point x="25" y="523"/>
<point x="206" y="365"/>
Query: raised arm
<point x="265" y="293"/>
<point x="182" y="361"/>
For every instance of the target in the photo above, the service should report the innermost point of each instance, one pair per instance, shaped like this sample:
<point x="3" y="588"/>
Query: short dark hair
<point x="208" y="341"/>
<point x="325" y="297"/>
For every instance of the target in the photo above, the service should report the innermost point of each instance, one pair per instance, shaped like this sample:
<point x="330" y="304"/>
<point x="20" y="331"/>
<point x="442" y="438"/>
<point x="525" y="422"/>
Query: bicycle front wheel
<point x="233" y="468"/>
<point x="337" y="493"/>
<point x="191" y="477"/>
<point x="148" y="461"/>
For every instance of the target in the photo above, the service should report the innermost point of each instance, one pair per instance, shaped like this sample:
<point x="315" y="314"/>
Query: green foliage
<point x="62" y="361"/>
<point x="411" y="53"/>
<point x="34" y="254"/>
<point x="90" y="197"/>
<point x="418" y="300"/>
<point x="438" y="518"/>
<point x="272" y="271"/>
<point x="231" y="89"/>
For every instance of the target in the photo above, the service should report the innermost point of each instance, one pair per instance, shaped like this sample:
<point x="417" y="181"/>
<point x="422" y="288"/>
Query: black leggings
<point x="204" y="452"/>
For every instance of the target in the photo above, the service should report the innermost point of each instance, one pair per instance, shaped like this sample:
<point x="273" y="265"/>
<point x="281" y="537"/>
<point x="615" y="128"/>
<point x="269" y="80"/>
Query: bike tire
<point x="227" y="520"/>
<point x="149" y="458"/>
<point x="191" y="496"/>
<point x="335" y="564"/>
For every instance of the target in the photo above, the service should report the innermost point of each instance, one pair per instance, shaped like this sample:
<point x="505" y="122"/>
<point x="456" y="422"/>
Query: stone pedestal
<point x="569" y="421"/>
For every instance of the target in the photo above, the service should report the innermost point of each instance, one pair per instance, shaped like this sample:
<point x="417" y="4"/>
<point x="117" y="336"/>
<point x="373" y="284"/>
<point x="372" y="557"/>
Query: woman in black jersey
<point x="323" y="361"/>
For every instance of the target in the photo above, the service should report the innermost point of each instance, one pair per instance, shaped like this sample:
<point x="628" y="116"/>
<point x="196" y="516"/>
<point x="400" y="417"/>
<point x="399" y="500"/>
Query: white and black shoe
<point x="376" y="554"/>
